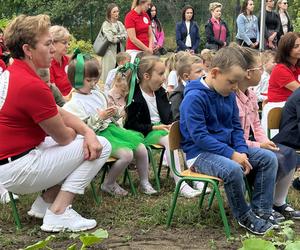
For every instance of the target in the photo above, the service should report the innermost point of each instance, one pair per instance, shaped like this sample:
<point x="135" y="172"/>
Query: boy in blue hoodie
<point x="213" y="141"/>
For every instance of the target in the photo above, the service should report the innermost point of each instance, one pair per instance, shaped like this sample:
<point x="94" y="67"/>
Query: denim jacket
<point x="247" y="28"/>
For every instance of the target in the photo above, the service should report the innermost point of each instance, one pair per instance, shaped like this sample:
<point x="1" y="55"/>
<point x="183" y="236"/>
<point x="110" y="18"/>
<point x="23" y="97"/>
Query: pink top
<point x="248" y="109"/>
<point x="217" y="25"/>
<point x="159" y="37"/>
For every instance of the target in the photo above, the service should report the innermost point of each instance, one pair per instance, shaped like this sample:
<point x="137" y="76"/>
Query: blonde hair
<point x="137" y="2"/>
<point x="171" y="61"/>
<point x="267" y="56"/>
<point x="44" y="74"/>
<point x="122" y="56"/>
<point x="228" y="57"/>
<point x="147" y="65"/>
<point x="214" y="5"/>
<point x="59" y="33"/>
<point x="185" y="63"/>
<point x="207" y="55"/>
<point x="25" y="30"/>
<point x="121" y="81"/>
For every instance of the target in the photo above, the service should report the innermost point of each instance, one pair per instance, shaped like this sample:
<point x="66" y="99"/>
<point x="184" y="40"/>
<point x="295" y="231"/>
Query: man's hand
<point x="92" y="148"/>
<point x="242" y="159"/>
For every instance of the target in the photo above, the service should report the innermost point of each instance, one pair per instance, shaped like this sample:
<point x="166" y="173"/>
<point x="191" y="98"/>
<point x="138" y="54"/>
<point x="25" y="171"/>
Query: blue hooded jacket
<point x="210" y="122"/>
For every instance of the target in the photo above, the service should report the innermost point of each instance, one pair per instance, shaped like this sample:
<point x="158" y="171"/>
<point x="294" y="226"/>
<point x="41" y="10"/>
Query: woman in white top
<point x="116" y="33"/>
<point x="187" y="31"/>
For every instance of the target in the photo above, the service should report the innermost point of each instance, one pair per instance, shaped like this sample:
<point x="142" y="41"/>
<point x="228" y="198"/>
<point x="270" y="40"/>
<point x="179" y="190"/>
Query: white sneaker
<point x="147" y="188"/>
<point x="70" y="220"/>
<point x="4" y="198"/>
<point x="187" y="192"/>
<point x="38" y="208"/>
<point x="199" y="185"/>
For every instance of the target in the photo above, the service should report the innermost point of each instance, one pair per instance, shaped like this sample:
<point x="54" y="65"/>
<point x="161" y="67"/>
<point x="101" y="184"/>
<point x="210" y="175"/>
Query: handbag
<point x="101" y="44"/>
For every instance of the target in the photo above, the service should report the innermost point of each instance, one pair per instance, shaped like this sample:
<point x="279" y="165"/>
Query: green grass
<point x="134" y="221"/>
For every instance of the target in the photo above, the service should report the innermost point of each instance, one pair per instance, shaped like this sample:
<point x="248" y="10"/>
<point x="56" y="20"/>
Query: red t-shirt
<point x="58" y="75"/>
<point x="25" y="101"/>
<point x="2" y="66"/>
<point x="281" y="76"/>
<point x="140" y="22"/>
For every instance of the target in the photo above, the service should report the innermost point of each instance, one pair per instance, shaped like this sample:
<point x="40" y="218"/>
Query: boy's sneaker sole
<point x="254" y="232"/>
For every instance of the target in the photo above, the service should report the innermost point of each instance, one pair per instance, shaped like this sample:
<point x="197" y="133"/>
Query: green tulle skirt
<point x="121" y="138"/>
<point x="154" y="136"/>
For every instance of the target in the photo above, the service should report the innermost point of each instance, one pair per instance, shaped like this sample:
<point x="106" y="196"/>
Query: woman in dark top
<point x="216" y="30"/>
<point x="272" y="25"/>
<point x="285" y="20"/>
<point x="187" y="32"/>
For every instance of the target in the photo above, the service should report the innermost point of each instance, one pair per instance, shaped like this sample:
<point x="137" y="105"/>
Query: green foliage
<point x="285" y="238"/>
<point x="257" y="244"/>
<point x="293" y="246"/>
<point x="4" y="22"/>
<point x="41" y="244"/>
<point x="84" y="46"/>
<point x="87" y="240"/>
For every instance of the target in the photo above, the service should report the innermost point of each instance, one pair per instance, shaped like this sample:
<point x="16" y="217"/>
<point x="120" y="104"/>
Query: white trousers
<point x="133" y="53"/>
<point x="51" y="164"/>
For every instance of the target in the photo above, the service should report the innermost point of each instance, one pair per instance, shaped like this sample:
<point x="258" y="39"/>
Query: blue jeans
<point x="264" y="163"/>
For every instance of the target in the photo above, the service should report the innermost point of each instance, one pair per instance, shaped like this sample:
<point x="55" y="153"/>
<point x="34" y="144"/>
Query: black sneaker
<point x="296" y="184"/>
<point x="288" y="212"/>
<point x="255" y="225"/>
<point x="270" y="218"/>
<point x="278" y="216"/>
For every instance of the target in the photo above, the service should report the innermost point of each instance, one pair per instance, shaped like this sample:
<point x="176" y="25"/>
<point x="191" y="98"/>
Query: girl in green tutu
<point x="149" y="110"/>
<point x="90" y="104"/>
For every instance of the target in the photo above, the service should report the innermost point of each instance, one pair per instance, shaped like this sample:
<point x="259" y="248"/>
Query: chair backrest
<point x="274" y="117"/>
<point x="174" y="136"/>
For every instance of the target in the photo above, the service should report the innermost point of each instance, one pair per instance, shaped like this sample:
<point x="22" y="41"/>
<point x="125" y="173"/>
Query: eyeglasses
<point x="64" y="42"/>
<point x="260" y="68"/>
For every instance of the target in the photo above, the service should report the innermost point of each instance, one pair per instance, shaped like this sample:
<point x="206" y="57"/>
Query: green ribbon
<point x="79" y="69"/>
<point x="134" y="68"/>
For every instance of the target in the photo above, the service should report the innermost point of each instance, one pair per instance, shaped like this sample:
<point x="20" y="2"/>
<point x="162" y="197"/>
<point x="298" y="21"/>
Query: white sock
<point x="282" y="188"/>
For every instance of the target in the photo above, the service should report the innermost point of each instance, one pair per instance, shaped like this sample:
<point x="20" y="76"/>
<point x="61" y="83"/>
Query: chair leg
<point x="222" y="210"/>
<point x="168" y="172"/>
<point x="15" y="211"/>
<point x="160" y="162"/>
<point x="201" y="199"/>
<point x="248" y="188"/>
<point x="211" y="197"/>
<point x="174" y="200"/>
<point x="128" y="175"/>
<point x="152" y="162"/>
<point x="105" y="169"/>
<point x="94" y="192"/>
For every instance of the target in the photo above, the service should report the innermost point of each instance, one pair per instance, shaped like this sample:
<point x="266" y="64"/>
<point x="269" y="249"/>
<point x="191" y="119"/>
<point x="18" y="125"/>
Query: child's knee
<point x="127" y="156"/>
<point x="235" y="173"/>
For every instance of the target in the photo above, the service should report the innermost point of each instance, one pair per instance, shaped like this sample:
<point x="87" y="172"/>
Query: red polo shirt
<point x="2" y="66"/>
<point x="281" y="76"/>
<point x="140" y="22"/>
<point x="25" y="101"/>
<point x="58" y="75"/>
